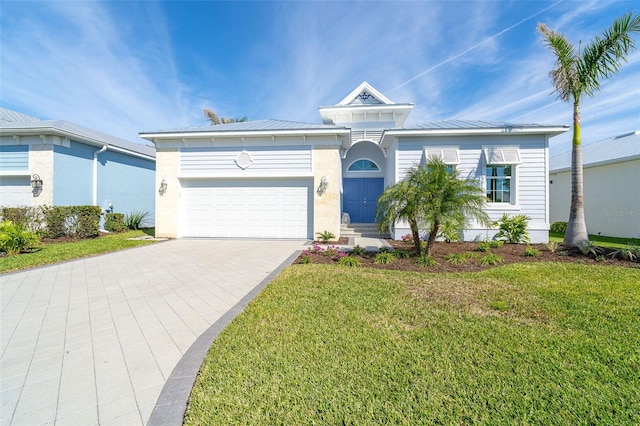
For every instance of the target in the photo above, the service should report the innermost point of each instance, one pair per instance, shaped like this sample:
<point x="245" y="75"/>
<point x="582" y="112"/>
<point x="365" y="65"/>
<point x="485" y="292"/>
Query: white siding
<point x="267" y="161"/>
<point x="530" y="175"/>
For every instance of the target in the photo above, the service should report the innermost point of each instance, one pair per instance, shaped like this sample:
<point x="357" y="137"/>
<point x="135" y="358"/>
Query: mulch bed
<point x="510" y="253"/>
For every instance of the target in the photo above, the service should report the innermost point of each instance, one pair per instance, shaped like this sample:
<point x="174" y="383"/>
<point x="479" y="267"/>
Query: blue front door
<point x="360" y="198"/>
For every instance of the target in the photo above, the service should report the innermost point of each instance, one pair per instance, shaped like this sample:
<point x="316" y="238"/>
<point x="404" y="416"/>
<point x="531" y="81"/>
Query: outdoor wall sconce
<point x="323" y="185"/>
<point x="36" y="182"/>
<point x="163" y="186"/>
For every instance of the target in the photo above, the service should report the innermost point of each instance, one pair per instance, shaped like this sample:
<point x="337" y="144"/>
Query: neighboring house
<point x="611" y="171"/>
<point x="282" y="179"/>
<point x="52" y="162"/>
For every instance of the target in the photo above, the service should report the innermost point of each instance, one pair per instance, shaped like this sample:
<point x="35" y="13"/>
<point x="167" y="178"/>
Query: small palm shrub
<point x="490" y="259"/>
<point x="426" y="260"/>
<point x="552" y="246"/>
<point x="456" y="258"/>
<point x="14" y="238"/>
<point x="513" y="230"/>
<point x="630" y="253"/>
<point x="348" y="261"/>
<point x="531" y="252"/>
<point x="585" y="247"/>
<point x="384" y="258"/>
<point x="326" y="236"/>
<point x="134" y="219"/>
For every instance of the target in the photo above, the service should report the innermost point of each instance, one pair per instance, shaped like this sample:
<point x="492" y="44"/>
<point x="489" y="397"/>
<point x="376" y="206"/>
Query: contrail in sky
<point x="474" y="46"/>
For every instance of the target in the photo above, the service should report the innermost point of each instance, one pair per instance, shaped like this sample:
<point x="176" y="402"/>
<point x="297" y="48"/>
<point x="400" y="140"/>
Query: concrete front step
<point x="361" y="230"/>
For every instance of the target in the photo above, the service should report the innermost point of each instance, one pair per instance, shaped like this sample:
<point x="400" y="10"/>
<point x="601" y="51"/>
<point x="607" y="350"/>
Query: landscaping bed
<point x="441" y="252"/>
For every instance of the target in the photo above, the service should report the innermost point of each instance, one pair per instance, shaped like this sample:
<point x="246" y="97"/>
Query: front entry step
<point x="361" y="230"/>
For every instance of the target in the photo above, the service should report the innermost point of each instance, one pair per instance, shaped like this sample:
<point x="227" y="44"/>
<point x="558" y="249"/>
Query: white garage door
<point x="245" y="209"/>
<point x="15" y="191"/>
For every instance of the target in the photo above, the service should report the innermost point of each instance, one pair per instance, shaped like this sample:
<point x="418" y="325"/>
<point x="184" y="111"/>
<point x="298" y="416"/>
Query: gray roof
<point x="73" y="131"/>
<point x="472" y="124"/>
<point x="620" y="148"/>
<point x="257" y="125"/>
<point x="9" y="116"/>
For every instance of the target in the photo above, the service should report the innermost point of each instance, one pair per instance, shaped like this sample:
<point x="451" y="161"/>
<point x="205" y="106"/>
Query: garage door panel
<point x="246" y="209"/>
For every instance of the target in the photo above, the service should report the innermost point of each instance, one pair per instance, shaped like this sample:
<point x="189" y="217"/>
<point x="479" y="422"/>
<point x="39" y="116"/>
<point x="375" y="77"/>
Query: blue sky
<point x="127" y="67"/>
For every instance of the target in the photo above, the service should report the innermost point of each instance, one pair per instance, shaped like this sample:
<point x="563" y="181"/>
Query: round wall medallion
<point x="243" y="160"/>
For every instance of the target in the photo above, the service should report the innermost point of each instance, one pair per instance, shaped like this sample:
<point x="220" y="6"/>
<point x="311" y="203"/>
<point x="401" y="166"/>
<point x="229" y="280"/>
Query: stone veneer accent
<point x="167" y="205"/>
<point x="41" y="163"/>
<point x="326" y="207"/>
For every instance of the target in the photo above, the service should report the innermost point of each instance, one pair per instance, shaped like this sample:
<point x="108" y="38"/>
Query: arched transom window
<point x="363" y="165"/>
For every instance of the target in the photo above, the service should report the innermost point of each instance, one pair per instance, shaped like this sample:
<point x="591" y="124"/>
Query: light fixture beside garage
<point x="243" y="160"/>
<point x="36" y="182"/>
<point x="323" y="185"/>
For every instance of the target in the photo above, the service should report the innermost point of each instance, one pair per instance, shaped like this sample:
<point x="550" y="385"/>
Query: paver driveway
<point x="93" y="341"/>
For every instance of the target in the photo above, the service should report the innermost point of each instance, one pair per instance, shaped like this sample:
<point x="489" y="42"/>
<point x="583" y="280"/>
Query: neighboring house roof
<point x="73" y="131"/>
<point x="614" y="150"/>
<point x="248" y="127"/>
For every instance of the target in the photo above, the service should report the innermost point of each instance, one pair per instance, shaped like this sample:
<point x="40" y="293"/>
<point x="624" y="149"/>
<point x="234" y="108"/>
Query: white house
<point x="283" y="179"/>
<point x="611" y="186"/>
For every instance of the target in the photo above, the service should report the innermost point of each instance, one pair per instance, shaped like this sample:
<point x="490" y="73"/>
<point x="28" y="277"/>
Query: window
<point x="499" y="184"/>
<point x="501" y="163"/>
<point x="363" y="165"/>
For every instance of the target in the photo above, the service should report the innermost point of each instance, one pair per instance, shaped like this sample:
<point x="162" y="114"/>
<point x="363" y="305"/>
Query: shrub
<point x="630" y="253"/>
<point x="305" y="259"/>
<point x="552" y="246"/>
<point x="402" y="254"/>
<point x="14" y="238"/>
<point x="426" y="260"/>
<point x="29" y="218"/>
<point x="496" y="243"/>
<point x="357" y="250"/>
<point x="456" y="258"/>
<point x="559" y="227"/>
<point x="87" y="221"/>
<point x="136" y="218"/>
<point x="348" y="261"/>
<point x="513" y="229"/>
<point x="325" y="236"/>
<point x="385" y="249"/>
<point x="531" y="252"/>
<point x="483" y="246"/>
<point x="114" y="222"/>
<point x="490" y="259"/>
<point x="55" y="220"/>
<point x="586" y="248"/>
<point x="384" y="258"/>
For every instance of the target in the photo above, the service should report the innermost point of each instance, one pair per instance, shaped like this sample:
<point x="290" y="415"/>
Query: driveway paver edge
<point x="172" y="402"/>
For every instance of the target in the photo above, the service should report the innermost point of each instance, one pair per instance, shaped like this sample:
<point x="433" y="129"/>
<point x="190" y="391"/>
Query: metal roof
<point x="73" y="131"/>
<point x="472" y="124"/>
<point x="614" y="150"/>
<point x="257" y="125"/>
<point x="9" y="116"/>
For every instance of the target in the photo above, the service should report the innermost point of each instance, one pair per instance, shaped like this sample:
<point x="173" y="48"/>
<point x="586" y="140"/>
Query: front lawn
<point x="534" y="343"/>
<point x="53" y="252"/>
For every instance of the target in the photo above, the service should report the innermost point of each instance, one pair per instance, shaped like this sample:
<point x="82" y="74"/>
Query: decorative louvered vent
<point x="370" y="135"/>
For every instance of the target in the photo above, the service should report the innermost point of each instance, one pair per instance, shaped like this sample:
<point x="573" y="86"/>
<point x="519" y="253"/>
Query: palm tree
<point x="576" y="74"/>
<point x="432" y="197"/>
<point x="215" y="119"/>
<point x="399" y="202"/>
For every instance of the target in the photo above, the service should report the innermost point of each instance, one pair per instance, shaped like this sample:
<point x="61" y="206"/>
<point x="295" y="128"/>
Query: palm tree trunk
<point x="415" y="232"/>
<point x="432" y="237"/>
<point x="576" y="227"/>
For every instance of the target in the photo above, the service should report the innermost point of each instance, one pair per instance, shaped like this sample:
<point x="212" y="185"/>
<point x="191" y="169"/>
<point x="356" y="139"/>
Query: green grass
<point x="58" y="252"/>
<point x="535" y="343"/>
<point x="599" y="240"/>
